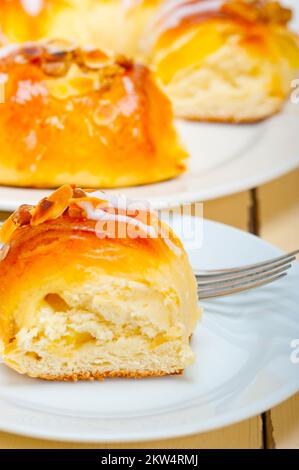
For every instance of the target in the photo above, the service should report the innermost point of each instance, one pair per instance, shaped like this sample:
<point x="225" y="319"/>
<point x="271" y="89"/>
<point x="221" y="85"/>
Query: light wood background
<point x="278" y="216"/>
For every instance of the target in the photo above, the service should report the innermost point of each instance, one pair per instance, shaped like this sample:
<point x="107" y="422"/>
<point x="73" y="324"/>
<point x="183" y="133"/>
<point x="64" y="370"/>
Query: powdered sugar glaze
<point x="174" y="12"/>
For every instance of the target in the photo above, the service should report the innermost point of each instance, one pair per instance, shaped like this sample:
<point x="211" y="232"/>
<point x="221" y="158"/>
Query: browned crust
<point x="231" y="120"/>
<point x="108" y="375"/>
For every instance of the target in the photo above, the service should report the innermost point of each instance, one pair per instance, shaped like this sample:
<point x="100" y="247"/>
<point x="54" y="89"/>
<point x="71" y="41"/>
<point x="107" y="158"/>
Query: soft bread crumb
<point x="230" y="85"/>
<point x="108" y="327"/>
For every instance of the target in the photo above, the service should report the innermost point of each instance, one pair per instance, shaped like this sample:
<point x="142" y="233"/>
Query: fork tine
<point x="241" y="283"/>
<point x="220" y="272"/>
<point x="218" y="276"/>
<point x="236" y="290"/>
<point x="231" y="278"/>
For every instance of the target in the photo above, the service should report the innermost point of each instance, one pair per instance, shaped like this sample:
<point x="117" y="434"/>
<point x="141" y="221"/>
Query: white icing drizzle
<point x="3" y="78"/>
<point x="172" y="246"/>
<point x="180" y="9"/>
<point x="4" y="252"/>
<point x="27" y="90"/>
<point x="9" y="49"/>
<point x="174" y="11"/>
<point x="5" y="51"/>
<point x="129" y="103"/>
<point x="32" y="7"/>
<point x="101" y="215"/>
<point x="120" y="202"/>
<point x="127" y="4"/>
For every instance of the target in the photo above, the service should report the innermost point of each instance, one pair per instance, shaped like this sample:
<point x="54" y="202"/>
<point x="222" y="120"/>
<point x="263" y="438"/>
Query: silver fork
<point x="221" y="282"/>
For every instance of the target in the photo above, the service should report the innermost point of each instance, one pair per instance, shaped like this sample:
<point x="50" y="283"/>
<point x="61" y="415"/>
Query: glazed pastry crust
<point x="80" y="116"/>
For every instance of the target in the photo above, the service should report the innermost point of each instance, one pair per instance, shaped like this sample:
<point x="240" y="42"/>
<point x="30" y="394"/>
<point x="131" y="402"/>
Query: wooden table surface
<point x="275" y="216"/>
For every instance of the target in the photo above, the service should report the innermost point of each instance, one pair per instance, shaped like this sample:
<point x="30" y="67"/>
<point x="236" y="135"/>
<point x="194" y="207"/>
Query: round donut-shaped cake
<point x="79" y="116"/>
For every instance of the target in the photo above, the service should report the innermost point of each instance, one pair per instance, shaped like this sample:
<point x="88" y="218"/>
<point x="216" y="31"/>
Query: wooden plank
<point x="240" y="436"/>
<point x="285" y="423"/>
<point x="232" y="210"/>
<point x="279" y="211"/>
<point x="279" y="215"/>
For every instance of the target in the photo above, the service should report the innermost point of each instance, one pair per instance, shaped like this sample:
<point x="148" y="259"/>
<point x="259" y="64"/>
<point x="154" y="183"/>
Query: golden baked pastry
<point x="112" y="24"/>
<point x="93" y="288"/>
<point x="229" y="60"/>
<point x="79" y="116"/>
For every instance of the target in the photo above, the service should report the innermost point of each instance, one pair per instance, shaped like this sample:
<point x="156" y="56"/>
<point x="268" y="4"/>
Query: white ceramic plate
<point x="243" y="367"/>
<point x="225" y="159"/>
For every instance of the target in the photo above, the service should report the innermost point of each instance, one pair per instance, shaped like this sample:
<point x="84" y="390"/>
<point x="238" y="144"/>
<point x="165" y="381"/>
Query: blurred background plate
<point x="225" y="159"/>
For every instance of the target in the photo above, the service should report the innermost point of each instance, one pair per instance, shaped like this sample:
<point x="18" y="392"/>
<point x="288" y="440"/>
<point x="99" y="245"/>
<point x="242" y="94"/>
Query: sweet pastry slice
<point x="93" y="287"/>
<point x="115" y="25"/>
<point x="79" y="116"/>
<point x="229" y="60"/>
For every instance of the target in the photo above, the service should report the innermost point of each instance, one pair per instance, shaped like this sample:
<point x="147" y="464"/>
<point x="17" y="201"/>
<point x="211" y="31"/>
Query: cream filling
<point x="230" y="84"/>
<point x="114" y="322"/>
<point x="78" y="340"/>
<point x="71" y="334"/>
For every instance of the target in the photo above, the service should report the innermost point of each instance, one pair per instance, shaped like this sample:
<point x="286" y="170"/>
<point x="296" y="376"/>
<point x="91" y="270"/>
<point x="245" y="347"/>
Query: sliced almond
<point x="78" y="192"/>
<point x="52" y="207"/>
<point x="19" y="218"/>
<point x="242" y="10"/>
<point x="110" y="71"/>
<point x="93" y="59"/>
<point x="55" y="69"/>
<point x="273" y="11"/>
<point x="124" y="62"/>
<point x="59" y="47"/>
<point x="32" y="52"/>
<point x="7" y="229"/>
<point x="23" y="215"/>
<point x="4" y="252"/>
<point x="75" y="212"/>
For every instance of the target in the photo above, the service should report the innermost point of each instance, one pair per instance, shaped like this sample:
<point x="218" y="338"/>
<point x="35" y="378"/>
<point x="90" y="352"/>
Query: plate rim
<point x="172" y="201"/>
<point x="175" y="433"/>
